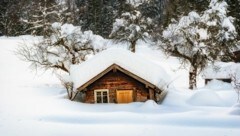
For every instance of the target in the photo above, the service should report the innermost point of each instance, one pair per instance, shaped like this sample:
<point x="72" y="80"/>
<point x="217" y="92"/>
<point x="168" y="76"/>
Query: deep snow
<point x="36" y="104"/>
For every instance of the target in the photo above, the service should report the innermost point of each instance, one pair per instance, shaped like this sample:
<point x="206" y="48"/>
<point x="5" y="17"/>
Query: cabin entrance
<point x="124" y="96"/>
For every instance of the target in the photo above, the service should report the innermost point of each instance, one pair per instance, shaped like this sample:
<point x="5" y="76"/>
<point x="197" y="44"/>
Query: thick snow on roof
<point x="151" y="72"/>
<point x="222" y="70"/>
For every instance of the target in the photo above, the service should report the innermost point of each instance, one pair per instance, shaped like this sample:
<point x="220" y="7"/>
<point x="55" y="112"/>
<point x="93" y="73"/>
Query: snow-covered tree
<point x="234" y="11"/>
<point x="175" y="9"/>
<point x="40" y="15"/>
<point x="98" y="15"/>
<point x="154" y="9"/>
<point x="69" y="10"/>
<point x="10" y="13"/>
<point x="66" y="45"/>
<point x="130" y="28"/>
<point x="199" y="38"/>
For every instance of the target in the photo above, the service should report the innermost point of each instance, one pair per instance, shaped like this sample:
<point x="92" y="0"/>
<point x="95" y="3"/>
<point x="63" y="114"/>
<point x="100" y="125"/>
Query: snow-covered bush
<point x="199" y="38"/>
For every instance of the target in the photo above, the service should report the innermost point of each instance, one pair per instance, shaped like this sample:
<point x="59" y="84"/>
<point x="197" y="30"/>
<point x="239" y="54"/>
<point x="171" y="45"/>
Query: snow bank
<point x="224" y="90"/>
<point x="235" y="110"/>
<point x="150" y="104"/>
<point x="176" y="98"/>
<point x="205" y="98"/>
<point x="146" y="69"/>
<point x="221" y="97"/>
<point x="217" y="85"/>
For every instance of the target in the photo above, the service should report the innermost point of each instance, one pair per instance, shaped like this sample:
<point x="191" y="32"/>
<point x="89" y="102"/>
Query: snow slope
<point x="36" y="104"/>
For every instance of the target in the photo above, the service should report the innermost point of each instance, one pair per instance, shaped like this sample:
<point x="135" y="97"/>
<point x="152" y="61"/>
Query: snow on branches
<point x="130" y="28"/>
<point x="200" y="38"/>
<point x="66" y="45"/>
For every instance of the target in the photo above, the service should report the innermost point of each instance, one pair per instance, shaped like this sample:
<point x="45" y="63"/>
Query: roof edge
<point x="117" y="67"/>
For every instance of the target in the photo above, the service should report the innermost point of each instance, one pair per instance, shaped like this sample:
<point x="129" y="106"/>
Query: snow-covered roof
<point x="221" y="70"/>
<point x="137" y="65"/>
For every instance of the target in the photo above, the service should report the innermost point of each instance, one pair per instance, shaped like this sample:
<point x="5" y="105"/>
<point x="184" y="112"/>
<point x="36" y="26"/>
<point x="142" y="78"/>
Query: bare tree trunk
<point x="193" y="78"/>
<point x="133" y="46"/>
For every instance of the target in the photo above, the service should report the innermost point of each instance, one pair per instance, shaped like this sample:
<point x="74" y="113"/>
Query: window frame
<point x="101" y="90"/>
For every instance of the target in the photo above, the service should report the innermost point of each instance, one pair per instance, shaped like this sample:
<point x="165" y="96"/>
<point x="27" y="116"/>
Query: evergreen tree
<point x="130" y="28"/>
<point x="99" y="15"/>
<point x="234" y="11"/>
<point x="175" y="9"/>
<point x="10" y="14"/>
<point x="70" y="12"/>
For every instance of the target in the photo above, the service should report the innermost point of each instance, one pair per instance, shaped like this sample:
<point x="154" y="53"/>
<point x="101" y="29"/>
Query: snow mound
<point x="235" y="110"/>
<point x="150" y="104"/>
<point x="205" y="98"/>
<point x="176" y="98"/>
<point x="217" y="85"/>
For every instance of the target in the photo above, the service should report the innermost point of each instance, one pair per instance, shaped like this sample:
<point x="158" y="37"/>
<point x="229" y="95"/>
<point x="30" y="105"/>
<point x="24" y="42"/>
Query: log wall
<point x="117" y="81"/>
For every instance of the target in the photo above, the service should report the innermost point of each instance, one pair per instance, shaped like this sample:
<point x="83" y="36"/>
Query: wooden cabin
<point x="222" y="71"/>
<point x="118" y="76"/>
<point x="117" y="85"/>
<point x="226" y="80"/>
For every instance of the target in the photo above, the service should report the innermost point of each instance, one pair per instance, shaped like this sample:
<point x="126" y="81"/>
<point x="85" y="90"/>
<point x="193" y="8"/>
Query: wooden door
<point x="124" y="96"/>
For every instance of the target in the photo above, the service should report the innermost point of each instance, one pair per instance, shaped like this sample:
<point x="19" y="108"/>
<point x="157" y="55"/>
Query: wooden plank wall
<point x="117" y="81"/>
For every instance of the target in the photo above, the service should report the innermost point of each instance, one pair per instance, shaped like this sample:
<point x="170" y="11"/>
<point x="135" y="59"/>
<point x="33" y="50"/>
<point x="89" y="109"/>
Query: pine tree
<point x="234" y="11"/>
<point x="10" y="14"/>
<point x="175" y="9"/>
<point x="99" y="15"/>
<point x="130" y="28"/>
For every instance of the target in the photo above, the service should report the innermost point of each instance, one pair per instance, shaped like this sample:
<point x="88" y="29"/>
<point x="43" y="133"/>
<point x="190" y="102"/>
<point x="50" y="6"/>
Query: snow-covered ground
<point x="35" y="104"/>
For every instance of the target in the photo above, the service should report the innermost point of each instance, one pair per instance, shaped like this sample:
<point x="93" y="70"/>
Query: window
<point x="101" y="96"/>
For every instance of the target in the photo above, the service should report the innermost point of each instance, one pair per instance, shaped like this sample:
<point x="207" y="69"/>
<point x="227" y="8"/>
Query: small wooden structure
<point x="227" y="80"/>
<point x="117" y="85"/>
<point x="120" y="77"/>
<point x="223" y="71"/>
